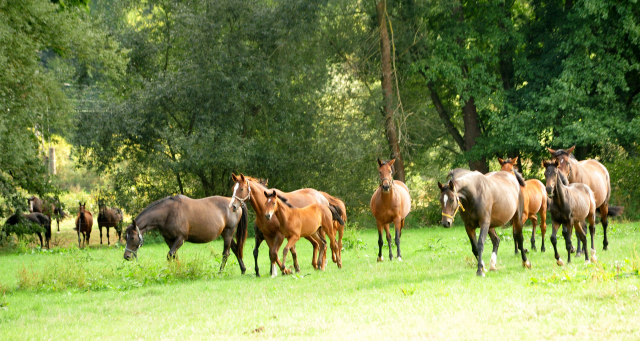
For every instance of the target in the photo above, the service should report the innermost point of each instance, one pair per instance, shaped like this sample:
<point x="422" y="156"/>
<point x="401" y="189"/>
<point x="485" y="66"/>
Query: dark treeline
<point x="170" y="97"/>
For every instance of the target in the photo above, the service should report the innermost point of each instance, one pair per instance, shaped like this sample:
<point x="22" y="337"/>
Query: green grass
<point x="433" y="294"/>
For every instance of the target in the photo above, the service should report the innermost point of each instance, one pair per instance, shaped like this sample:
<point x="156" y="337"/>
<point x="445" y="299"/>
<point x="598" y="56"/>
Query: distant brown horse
<point x="252" y="189"/>
<point x="109" y="217"/>
<point x="302" y="222"/>
<point x="593" y="174"/>
<point x="181" y="219"/>
<point x="535" y="201"/>
<point x="390" y="203"/>
<point x="570" y="206"/>
<point x="84" y="222"/>
<point x="49" y="207"/>
<point x="487" y="201"/>
<point x="35" y="217"/>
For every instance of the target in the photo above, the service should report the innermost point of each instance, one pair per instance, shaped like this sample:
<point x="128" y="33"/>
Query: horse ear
<point x="440" y="185"/>
<point x="266" y="194"/>
<point x="570" y="150"/>
<point x="556" y="162"/>
<point x="379" y="163"/>
<point x="390" y="163"/>
<point x="273" y="194"/>
<point x="501" y="161"/>
<point x="234" y="177"/>
<point x="515" y="160"/>
<point x="453" y="188"/>
<point x="545" y="163"/>
<point x="242" y="176"/>
<point x="551" y="151"/>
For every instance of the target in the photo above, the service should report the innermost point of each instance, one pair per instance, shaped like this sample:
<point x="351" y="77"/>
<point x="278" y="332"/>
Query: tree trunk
<point x="472" y="133"/>
<point x="387" y="92"/>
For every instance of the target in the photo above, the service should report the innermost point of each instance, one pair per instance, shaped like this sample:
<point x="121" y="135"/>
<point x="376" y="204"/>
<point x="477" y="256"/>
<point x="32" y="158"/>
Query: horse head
<point x="271" y="206"/>
<point x="241" y="191"/>
<point x="385" y="172"/>
<point x="450" y="202"/>
<point x="134" y="241"/>
<point x="552" y="174"/>
<point x="563" y="157"/>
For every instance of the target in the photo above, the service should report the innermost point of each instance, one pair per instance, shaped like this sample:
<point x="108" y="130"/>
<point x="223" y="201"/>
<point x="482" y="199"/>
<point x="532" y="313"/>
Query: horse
<point x="302" y="222"/>
<point x="109" y="217"/>
<point x="593" y="174"/>
<point x="535" y="201"/>
<point x="390" y="203"/>
<point x="252" y="189"/>
<point x="570" y="205"/>
<point x="37" y="218"/>
<point x="182" y="219"/>
<point x="52" y="209"/>
<point x="84" y="222"/>
<point x="487" y="201"/>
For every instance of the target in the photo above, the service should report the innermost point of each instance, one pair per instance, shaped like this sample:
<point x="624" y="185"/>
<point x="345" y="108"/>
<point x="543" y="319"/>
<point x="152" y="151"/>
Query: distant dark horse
<point x="487" y="201"/>
<point x="37" y="218"/>
<point x="84" y="222"/>
<point x="109" y="217"/>
<point x="182" y="219"/>
<point x="50" y="209"/>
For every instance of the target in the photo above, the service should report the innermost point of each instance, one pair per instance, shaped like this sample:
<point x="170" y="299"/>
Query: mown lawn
<point x="433" y="294"/>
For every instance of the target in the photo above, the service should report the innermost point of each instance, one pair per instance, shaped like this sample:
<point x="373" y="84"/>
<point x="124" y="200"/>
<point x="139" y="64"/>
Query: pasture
<point x="433" y="293"/>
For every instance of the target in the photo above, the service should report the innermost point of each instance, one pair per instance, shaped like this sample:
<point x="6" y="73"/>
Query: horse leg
<point x="177" y="243"/>
<point x="554" y="241"/>
<point x="398" y="226"/>
<point x="40" y="236"/>
<point x="386" y="230"/>
<point x="58" y="222"/>
<point x="320" y="234"/>
<point x="341" y="232"/>
<point x="291" y="242"/>
<point x="100" y="228"/>
<point x="543" y="228"/>
<point x="227" y="236"/>
<point x="315" y="244"/>
<point x="592" y="231"/>
<point x="580" y="233"/>
<point x="273" y="253"/>
<point x="515" y="240"/>
<point x="567" y="231"/>
<point x="321" y="263"/>
<point x="517" y="223"/>
<point x="471" y="232"/>
<point x="484" y="230"/>
<point x="380" y="242"/>
<point x="494" y="253"/>
<point x="534" y="221"/>
<point x="108" y="241"/>
<point x="294" y="255"/>
<point x="259" y="239"/>
<point x="79" y="237"/>
<point x="604" y="218"/>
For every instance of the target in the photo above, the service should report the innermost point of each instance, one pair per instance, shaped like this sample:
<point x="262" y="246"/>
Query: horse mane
<point x="260" y="181"/>
<point x="519" y="177"/>
<point x="285" y="201"/>
<point x="563" y="179"/>
<point x="453" y="174"/>
<point x="158" y="202"/>
<point x="561" y="152"/>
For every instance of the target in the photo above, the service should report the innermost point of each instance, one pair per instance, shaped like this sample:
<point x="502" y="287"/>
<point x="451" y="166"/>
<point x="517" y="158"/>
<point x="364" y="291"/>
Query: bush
<point x="625" y="186"/>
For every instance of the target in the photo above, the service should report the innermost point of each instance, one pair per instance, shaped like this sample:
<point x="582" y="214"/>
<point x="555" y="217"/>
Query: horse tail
<point x="614" y="211"/>
<point x="520" y="178"/>
<point x="337" y="204"/>
<point x="241" y="230"/>
<point x="336" y="216"/>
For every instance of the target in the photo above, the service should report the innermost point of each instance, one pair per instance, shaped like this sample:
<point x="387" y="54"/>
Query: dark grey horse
<point x="182" y="219"/>
<point x="109" y="217"/>
<point x="37" y="218"/>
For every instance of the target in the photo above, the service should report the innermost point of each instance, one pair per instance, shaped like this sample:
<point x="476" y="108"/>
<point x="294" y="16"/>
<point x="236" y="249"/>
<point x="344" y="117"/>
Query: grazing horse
<point x="84" y="222"/>
<point x="593" y="174"/>
<point x="487" y="201"/>
<point x="390" y="203"/>
<point x="109" y="217"/>
<point x="182" y="219"/>
<point x="52" y="209"/>
<point x="570" y="206"/>
<point x="252" y="189"/>
<point x="302" y="222"/>
<point x="535" y="201"/>
<point x="37" y="218"/>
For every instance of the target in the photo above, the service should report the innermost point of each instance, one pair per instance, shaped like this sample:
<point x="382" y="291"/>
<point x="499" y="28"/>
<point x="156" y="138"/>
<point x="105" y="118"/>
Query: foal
<point x="296" y="223"/>
<point x="570" y="206"/>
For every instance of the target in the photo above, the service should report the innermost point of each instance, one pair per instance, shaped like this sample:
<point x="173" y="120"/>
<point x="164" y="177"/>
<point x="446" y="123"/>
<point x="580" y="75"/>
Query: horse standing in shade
<point x="37" y="218"/>
<point x="570" y="206"/>
<point x="535" y="201"/>
<point x="109" y="217"/>
<point x="252" y="189"/>
<point x="487" y="201"/>
<point x="84" y="223"/>
<point x="52" y="209"/>
<point x="302" y="222"/>
<point x="390" y="203"/>
<point x="593" y="174"/>
<point x="181" y="219"/>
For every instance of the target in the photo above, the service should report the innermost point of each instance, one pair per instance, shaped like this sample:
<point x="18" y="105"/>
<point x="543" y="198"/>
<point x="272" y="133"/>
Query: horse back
<point x="583" y="200"/>
<point x="596" y="176"/>
<point x="501" y="192"/>
<point x="203" y="220"/>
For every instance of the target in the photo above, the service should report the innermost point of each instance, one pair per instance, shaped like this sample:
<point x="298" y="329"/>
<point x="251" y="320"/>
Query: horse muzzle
<point x="446" y="222"/>
<point x="550" y="192"/>
<point x="385" y="189"/>
<point x="268" y="216"/>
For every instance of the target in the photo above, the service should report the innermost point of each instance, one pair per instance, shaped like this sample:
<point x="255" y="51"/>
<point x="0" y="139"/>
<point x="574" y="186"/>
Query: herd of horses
<point x="573" y="193"/>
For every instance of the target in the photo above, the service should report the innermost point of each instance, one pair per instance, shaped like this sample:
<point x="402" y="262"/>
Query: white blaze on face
<point x="445" y="199"/>
<point x="235" y="189"/>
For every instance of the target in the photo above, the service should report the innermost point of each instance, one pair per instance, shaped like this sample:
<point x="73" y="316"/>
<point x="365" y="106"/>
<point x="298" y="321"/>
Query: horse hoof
<point x="399" y="259"/>
<point x="527" y="264"/>
<point x="480" y="273"/>
<point x="380" y="259"/>
<point x="573" y="249"/>
<point x="594" y="259"/>
<point x="542" y="249"/>
<point x="492" y="267"/>
<point x="586" y="261"/>
<point x="559" y="262"/>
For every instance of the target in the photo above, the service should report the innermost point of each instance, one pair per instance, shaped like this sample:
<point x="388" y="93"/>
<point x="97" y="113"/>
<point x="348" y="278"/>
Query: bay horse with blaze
<point x="390" y="203"/>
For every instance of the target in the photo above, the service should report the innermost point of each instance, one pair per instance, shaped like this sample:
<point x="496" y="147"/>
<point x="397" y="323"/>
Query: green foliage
<point x="351" y="240"/>
<point x="625" y="186"/>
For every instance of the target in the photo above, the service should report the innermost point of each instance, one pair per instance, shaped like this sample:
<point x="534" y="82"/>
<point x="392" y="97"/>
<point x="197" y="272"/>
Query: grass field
<point x="68" y="294"/>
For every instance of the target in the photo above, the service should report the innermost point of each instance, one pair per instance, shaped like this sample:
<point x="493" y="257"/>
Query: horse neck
<point x="257" y="198"/>
<point x="283" y="212"/>
<point x="577" y="172"/>
<point x="560" y="198"/>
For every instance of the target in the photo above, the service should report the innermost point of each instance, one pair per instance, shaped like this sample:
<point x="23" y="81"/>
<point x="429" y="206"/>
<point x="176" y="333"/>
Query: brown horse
<point x="84" y="222"/>
<point x="570" y="206"/>
<point x="487" y="201"/>
<point x="182" y="219"/>
<point x="338" y="227"/>
<point x="535" y="201"/>
<point x="593" y="174"/>
<point x="390" y="203"/>
<point x="37" y="218"/>
<point x="109" y="217"/>
<point x="302" y="222"/>
<point x="48" y="207"/>
<point x="252" y="189"/>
